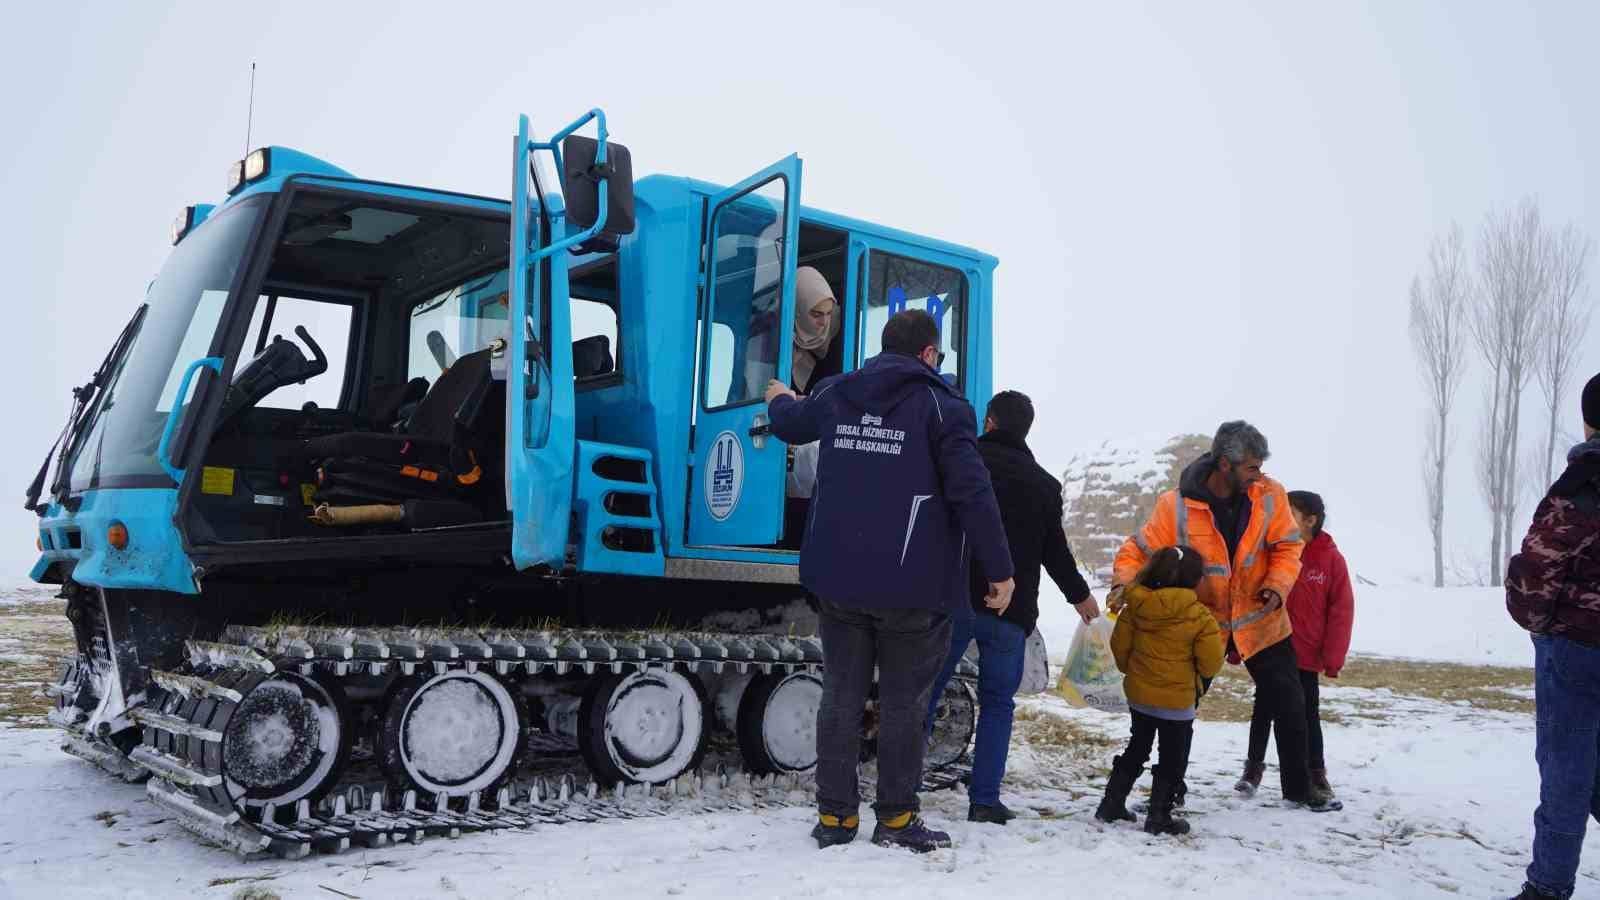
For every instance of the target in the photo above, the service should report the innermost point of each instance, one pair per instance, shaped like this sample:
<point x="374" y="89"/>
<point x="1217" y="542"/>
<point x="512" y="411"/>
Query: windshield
<point x="186" y="302"/>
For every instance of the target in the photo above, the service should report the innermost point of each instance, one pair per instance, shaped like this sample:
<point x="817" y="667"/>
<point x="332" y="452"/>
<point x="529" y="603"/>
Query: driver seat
<point x="437" y="454"/>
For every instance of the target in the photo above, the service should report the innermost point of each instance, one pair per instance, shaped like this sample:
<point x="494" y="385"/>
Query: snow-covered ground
<point x="1439" y="799"/>
<point x="1438" y="804"/>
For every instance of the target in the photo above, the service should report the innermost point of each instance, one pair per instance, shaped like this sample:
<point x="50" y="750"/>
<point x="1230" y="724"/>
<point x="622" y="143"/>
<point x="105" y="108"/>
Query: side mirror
<point x="580" y="184"/>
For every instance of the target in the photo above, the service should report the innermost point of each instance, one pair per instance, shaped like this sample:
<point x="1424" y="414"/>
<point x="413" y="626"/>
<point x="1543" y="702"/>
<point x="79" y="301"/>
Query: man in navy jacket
<point x="902" y="495"/>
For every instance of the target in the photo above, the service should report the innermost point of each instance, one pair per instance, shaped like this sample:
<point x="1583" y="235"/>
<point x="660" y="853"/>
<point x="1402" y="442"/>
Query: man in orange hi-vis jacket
<point x="1239" y="520"/>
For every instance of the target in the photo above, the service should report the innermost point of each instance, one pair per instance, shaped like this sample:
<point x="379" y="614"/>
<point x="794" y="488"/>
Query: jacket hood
<point x="1192" y="483"/>
<point x="886" y="380"/>
<point x="1588" y="449"/>
<point x="1161" y="604"/>
<point x="1583" y="469"/>
<point x="1005" y="439"/>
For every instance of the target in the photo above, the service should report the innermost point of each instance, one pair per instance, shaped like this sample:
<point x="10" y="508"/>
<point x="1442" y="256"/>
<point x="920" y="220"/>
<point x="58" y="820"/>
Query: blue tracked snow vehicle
<point x="387" y="496"/>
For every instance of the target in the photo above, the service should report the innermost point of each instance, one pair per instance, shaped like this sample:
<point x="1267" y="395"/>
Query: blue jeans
<point x="1000" y="654"/>
<point x="1567" y="706"/>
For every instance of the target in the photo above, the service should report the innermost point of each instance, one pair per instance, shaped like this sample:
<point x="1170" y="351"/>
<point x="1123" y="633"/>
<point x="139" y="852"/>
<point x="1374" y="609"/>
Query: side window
<point x="329" y="324"/>
<point x="747" y="266"/>
<point x="455" y="322"/>
<point x="896" y="283"/>
<point x="596" y="319"/>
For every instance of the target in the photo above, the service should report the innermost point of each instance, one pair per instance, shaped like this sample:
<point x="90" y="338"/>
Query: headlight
<point x="235" y="176"/>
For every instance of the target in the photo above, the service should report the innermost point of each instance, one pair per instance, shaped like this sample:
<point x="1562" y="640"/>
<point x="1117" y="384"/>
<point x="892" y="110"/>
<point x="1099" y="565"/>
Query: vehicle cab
<point x="335" y="373"/>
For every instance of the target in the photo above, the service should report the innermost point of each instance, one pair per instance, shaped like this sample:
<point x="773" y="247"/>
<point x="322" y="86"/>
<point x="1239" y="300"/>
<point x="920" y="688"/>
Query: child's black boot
<point x="1159" y="820"/>
<point x="1114" y="805"/>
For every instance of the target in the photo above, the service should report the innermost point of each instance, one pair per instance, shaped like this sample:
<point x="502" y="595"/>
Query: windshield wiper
<point x="82" y="402"/>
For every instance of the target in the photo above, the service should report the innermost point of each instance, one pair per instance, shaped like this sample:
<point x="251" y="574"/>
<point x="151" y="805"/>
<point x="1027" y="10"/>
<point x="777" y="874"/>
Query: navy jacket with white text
<point x="902" y="494"/>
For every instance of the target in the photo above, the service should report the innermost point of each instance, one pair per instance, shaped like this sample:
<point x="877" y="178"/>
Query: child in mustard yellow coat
<point x="1168" y="647"/>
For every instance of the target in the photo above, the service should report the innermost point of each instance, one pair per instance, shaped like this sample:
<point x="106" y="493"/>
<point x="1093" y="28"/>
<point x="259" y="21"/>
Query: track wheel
<point x="954" y="723"/>
<point x="452" y="733"/>
<point x="287" y="741"/>
<point x="778" y="723"/>
<point x="648" y="726"/>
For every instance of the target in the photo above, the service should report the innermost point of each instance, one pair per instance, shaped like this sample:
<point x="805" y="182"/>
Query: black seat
<point x="392" y="403"/>
<point x="437" y="452"/>
<point x="591" y="356"/>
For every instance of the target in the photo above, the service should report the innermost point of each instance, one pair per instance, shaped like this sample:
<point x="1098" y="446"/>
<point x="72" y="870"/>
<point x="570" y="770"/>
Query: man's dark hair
<point x="910" y="332"/>
<point x="1012" y="412"/>
<point x="1238" y="441"/>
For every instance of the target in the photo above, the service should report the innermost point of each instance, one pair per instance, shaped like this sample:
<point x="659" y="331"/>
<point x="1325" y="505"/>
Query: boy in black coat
<point x="1030" y="506"/>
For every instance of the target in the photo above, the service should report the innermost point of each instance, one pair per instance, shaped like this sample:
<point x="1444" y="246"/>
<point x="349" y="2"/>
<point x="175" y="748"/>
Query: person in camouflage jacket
<point x="1553" y="591"/>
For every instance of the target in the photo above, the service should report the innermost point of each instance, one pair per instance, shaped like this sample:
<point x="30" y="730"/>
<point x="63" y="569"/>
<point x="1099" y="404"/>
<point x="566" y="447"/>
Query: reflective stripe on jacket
<point x="1268" y="558"/>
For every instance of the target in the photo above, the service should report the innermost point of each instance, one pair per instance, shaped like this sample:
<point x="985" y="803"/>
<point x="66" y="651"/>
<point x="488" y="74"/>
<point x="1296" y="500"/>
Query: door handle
<point x="174" y="415"/>
<point x="760" y="429"/>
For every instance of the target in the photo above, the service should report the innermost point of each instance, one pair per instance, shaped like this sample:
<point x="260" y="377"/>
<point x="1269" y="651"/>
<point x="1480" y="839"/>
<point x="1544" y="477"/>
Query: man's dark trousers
<point x="1277" y="678"/>
<point x="906" y="647"/>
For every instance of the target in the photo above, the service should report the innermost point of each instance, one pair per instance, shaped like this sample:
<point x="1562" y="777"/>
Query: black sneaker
<point x="831" y="831"/>
<point x="914" y="835"/>
<point x="1529" y="892"/>
<point x="993" y="814"/>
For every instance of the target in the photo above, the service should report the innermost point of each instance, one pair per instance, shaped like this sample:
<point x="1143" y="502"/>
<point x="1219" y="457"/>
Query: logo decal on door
<point x="724" y="476"/>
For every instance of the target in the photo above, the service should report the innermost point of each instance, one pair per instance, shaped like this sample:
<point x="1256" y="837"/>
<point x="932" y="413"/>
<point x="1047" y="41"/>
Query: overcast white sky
<point x="1202" y="211"/>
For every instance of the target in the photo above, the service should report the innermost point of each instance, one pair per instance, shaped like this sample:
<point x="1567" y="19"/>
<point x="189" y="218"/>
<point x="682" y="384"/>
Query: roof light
<point x="251" y="168"/>
<point x="255" y="165"/>
<point x="188" y="218"/>
<point x="182" y="224"/>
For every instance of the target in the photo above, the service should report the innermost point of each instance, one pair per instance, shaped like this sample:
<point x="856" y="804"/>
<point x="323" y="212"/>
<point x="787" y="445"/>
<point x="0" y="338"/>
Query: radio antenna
<point x="251" y="113"/>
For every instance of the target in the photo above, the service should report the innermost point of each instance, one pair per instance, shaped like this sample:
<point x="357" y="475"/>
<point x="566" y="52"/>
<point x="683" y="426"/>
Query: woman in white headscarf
<point x="816" y="324"/>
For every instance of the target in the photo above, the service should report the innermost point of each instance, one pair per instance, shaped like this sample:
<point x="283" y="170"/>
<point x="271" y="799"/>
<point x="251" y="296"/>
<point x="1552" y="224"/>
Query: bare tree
<point x="1487" y="466"/>
<point x="1514" y="274"/>
<point x="1439" y="337"/>
<point x="1566" y="325"/>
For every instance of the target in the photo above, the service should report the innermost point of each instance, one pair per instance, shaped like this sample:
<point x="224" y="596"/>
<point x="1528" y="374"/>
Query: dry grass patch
<point x="1039" y="727"/>
<point x="35" y="637"/>
<point x="1500" y="688"/>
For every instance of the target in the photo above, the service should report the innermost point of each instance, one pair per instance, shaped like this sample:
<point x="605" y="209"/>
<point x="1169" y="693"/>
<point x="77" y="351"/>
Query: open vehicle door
<point x="736" y="492"/>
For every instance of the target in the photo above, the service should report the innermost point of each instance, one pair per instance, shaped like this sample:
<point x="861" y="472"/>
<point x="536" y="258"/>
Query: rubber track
<point x="183" y="731"/>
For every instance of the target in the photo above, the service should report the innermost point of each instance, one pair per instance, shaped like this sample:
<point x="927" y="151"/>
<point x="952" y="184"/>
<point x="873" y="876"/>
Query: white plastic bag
<point x="1035" y="664"/>
<point x="1090" y="677"/>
